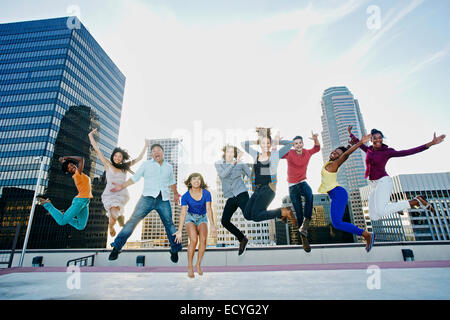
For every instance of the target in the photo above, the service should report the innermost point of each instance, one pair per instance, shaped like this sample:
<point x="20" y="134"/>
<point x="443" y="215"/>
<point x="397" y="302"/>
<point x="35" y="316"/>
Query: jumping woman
<point x="231" y="172"/>
<point x="116" y="171"/>
<point x="196" y="210"/>
<point x="264" y="179"/>
<point x="78" y="213"/>
<point x="338" y="195"/>
<point x="377" y="155"/>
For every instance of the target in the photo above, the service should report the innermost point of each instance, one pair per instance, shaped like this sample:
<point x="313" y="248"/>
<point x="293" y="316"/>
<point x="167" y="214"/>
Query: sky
<point x="211" y="71"/>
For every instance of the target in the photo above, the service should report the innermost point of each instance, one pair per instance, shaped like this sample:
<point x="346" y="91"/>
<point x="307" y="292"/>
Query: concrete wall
<point x="278" y="255"/>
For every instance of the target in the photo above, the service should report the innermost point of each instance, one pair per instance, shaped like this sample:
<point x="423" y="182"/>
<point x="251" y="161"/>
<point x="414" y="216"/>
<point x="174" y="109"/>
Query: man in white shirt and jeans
<point x="158" y="178"/>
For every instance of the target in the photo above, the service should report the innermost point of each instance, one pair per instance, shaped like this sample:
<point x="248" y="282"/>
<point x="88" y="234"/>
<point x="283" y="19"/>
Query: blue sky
<point x="234" y="65"/>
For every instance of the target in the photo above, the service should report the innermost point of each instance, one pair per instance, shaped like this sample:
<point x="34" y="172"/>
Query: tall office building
<point x="258" y="233"/>
<point x="339" y="110"/>
<point x="153" y="231"/>
<point x="56" y="85"/>
<point x="415" y="224"/>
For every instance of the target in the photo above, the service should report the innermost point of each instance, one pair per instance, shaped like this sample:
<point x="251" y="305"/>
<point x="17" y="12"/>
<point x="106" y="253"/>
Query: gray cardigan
<point x="231" y="177"/>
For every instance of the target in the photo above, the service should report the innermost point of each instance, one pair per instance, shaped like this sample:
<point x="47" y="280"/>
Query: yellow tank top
<point x="329" y="180"/>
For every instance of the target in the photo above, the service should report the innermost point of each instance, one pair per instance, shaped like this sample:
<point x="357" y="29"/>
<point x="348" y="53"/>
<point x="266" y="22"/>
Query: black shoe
<point x="114" y="254"/>
<point x="174" y="257"/>
<point x="242" y="246"/>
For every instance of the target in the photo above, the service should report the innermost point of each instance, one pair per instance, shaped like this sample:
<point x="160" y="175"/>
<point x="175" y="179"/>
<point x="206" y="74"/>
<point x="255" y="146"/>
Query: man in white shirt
<point x="158" y="178"/>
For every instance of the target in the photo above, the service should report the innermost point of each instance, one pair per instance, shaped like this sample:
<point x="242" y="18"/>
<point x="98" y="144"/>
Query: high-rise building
<point x="339" y="110"/>
<point x="415" y="224"/>
<point x="56" y="85"/>
<point x="320" y="230"/>
<point x="153" y="231"/>
<point x="258" y="233"/>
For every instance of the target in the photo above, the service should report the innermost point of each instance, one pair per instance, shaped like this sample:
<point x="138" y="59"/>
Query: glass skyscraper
<point x="339" y="110"/>
<point x="56" y="85"/>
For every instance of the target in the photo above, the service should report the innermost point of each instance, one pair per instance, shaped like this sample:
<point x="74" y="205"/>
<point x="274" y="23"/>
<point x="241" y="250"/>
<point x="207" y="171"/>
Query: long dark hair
<point x="65" y="165"/>
<point x="125" y="165"/>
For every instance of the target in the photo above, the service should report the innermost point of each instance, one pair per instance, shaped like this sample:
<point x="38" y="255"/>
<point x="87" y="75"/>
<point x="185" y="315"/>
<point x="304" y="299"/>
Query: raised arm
<point x="315" y="138"/>
<point x="354" y="140"/>
<point x="246" y="145"/>
<point x="79" y="159"/>
<point x="403" y="153"/>
<point x="141" y="155"/>
<point x="334" y="166"/>
<point x="106" y="162"/>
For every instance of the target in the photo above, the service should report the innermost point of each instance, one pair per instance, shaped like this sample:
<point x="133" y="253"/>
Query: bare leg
<point x="203" y="235"/>
<point x="191" y="230"/>
<point x="113" y="212"/>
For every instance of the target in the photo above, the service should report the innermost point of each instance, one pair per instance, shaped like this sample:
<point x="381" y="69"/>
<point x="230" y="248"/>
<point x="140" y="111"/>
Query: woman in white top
<point x="116" y="171"/>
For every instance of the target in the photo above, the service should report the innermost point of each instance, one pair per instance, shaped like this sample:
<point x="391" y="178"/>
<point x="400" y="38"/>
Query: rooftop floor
<point x="379" y="281"/>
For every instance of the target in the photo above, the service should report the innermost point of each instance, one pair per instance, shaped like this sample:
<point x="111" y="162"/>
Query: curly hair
<point x="188" y="184"/>
<point x="65" y="165"/>
<point x="125" y="165"/>
<point x="235" y="149"/>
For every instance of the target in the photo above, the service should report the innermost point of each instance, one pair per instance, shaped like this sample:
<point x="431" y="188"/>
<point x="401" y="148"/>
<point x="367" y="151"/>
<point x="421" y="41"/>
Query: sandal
<point x="428" y="206"/>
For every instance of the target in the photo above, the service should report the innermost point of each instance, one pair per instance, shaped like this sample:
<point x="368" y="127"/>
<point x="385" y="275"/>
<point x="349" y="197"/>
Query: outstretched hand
<point x="314" y="136"/>
<point x="349" y="129"/>
<point x="437" y="140"/>
<point x="366" y="138"/>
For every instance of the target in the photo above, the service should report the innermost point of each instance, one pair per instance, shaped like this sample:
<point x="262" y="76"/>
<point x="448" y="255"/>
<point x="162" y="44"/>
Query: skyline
<point x="222" y="64"/>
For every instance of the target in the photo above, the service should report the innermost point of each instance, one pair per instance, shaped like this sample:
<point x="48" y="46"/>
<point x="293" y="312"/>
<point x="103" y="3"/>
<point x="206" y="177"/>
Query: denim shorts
<point x="196" y="219"/>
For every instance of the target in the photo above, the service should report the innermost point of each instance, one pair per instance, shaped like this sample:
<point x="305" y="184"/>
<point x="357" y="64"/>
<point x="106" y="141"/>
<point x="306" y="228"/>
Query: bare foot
<point x="121" y="221"/>
<point x="191" y="272"/>
<point x="199" y="269"/>
<point x="112" y="231"/>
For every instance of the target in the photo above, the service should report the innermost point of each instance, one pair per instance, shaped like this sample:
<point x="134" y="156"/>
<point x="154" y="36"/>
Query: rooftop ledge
<point x="321" y="254"/>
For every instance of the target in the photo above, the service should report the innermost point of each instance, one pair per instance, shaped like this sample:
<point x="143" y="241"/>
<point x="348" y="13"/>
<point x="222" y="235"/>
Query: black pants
<point x="240" y="201"/>
<point x="256" y="209"/>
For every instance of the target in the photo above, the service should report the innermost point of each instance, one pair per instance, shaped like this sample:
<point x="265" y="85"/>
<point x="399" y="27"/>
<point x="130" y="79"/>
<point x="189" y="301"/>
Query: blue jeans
<point x="256" y="208"/>
<point x="295" y="193"/>
<point x="143" y="208"/>
<point x="339" y="199"/>
<point x="77" y="215"/>
<point x="196" y="219"/>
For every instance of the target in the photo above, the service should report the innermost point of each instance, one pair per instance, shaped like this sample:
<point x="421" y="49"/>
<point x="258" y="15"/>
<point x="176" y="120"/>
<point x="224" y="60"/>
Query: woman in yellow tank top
<point x="78" y="213"/>
<point x="338" y="195"/>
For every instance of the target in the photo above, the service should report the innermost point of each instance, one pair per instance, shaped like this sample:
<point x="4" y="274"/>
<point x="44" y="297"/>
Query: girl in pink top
<point x="377" y="155"/>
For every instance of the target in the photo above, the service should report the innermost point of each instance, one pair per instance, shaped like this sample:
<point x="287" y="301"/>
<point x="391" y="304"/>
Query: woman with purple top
<point x="377" y="156"/>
